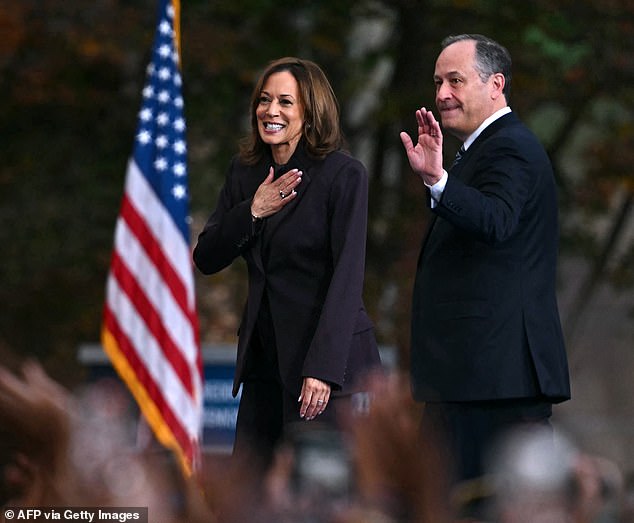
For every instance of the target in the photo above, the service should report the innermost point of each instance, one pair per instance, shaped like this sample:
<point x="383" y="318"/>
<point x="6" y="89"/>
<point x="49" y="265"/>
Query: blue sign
<point x="220" y="408"/>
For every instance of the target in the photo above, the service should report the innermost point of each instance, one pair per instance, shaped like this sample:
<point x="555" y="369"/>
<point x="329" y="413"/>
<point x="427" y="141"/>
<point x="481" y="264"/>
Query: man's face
<point x="463" y="100"/>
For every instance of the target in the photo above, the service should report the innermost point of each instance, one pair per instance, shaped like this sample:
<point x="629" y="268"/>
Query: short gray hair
<point x="490" y="57"/>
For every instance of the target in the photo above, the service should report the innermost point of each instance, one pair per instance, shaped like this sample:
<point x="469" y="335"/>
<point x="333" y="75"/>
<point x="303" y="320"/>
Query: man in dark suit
<point x="487" y="349"/>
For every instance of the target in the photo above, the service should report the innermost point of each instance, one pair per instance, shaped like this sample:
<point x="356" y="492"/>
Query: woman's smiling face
<point x="280" y="115"/>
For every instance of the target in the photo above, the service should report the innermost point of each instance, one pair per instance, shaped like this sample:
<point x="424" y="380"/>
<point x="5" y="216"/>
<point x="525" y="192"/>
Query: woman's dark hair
<point x="322" y="131"/>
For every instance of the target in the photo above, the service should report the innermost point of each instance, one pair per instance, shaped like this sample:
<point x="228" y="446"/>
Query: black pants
<point x="267" y="410"/>
<point x="468" y="431"/>
<point x="267" y="414"/>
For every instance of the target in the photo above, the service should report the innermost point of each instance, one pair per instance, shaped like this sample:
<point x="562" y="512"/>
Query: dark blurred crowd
<point x="74" y="449"/>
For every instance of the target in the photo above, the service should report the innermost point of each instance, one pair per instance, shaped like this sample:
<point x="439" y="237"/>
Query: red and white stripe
<point x="150" y="326"/>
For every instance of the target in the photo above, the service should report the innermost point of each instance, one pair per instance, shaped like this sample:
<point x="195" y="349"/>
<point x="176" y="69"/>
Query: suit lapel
<point x="299" y="161"/>
<point x="255" y="176"/>
<point x="460" y="170"/>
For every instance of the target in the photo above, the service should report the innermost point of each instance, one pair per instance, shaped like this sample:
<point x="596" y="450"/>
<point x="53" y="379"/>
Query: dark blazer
<point x="485" y="323"/>
<point x="310" y="258"/>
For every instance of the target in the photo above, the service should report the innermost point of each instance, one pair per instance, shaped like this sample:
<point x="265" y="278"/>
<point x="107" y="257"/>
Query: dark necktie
<point x="458" y="157"/>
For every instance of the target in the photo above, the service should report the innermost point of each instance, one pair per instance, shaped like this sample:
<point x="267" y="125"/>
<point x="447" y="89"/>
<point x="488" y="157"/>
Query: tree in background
<point x="70" y="79"/>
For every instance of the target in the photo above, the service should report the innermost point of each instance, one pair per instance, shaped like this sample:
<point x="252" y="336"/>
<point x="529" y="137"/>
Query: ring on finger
<point x="320" y="402"/>
<point x="283" y="195"/>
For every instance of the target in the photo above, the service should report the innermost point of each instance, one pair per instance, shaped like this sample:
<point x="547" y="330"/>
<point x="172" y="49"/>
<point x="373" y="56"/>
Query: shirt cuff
<point x="437" y="189"/>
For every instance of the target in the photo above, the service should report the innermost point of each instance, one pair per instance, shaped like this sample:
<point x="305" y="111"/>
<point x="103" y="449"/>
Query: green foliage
<point x="565" y="56"/>
<point x="70" y="81"/>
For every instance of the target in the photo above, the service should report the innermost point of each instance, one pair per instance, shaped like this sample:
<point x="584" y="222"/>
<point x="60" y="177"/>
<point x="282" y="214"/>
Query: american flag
<point x="150" y="327"/>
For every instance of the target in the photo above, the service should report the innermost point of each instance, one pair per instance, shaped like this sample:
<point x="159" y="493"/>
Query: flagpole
<point x="176" y="4"/>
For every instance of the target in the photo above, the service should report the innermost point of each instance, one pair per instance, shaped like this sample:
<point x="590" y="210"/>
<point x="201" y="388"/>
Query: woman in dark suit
<point x="294" y="206"/>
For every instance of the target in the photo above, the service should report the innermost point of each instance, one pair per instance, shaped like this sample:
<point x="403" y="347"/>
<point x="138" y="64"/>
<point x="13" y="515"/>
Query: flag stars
<point x="180" y="169"/>
<point x="180" y="147"/>
<point x="179" y="191"/>
<point x="165" y="51"/>
<point x="164" y="73"/>
<point x="144" y="137"/>
<point x="162" y="142"/>
<point x="165" y="28"/>
<point x="162" y="119"/>
<point x="160" y="164"/>
<point x="146" y="114"/>
<point x="148" y="91"/>
<point x="160" y="138"/>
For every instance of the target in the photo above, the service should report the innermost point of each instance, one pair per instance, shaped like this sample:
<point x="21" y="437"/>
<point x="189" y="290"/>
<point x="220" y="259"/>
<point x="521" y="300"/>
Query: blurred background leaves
<point x="71" y="74"/>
